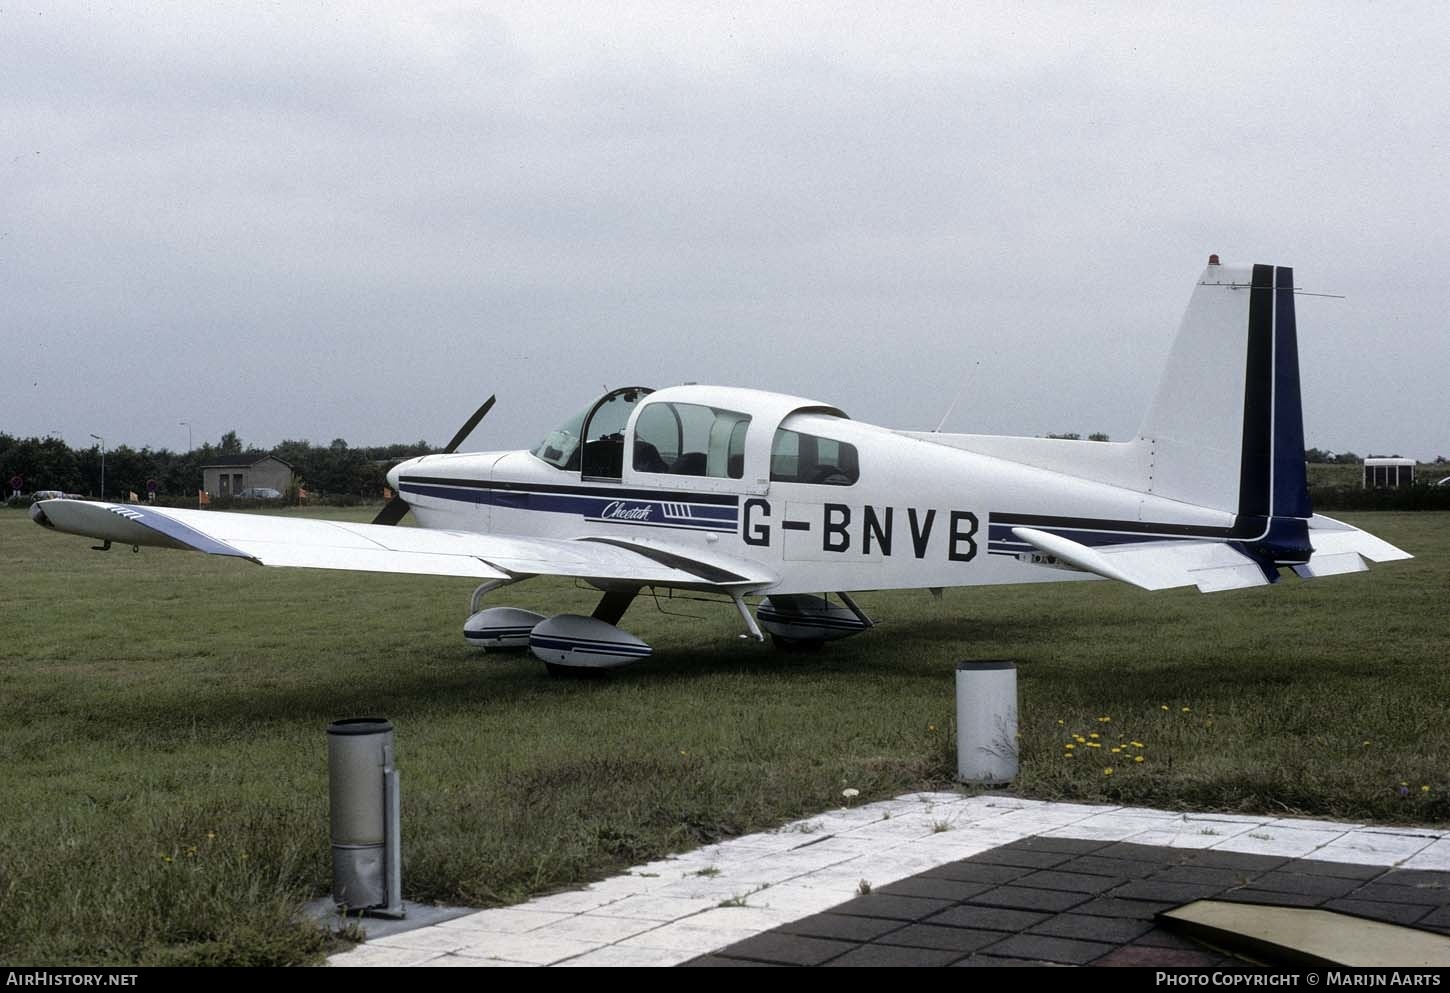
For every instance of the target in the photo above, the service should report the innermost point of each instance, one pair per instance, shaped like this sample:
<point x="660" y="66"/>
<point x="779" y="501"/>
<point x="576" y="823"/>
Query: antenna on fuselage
<point x="937" y="429"/>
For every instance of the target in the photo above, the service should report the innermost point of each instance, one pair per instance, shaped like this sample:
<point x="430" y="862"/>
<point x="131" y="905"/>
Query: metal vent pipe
<point x="987" y="722"/>
<point x="365" y="816"/>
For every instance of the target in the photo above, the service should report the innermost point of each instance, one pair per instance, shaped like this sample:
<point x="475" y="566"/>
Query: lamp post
<point x="187" y="425"/>
<point x="103" y="464"/>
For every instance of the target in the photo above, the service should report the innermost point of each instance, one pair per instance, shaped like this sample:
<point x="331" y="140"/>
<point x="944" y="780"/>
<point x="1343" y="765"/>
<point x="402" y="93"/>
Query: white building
<point x="1388" y="473"/>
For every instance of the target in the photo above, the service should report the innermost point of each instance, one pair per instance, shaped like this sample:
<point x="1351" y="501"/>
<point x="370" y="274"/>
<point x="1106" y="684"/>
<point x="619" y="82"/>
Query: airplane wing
<point x="321" y="544"/>
<point x="1210" y="565"/>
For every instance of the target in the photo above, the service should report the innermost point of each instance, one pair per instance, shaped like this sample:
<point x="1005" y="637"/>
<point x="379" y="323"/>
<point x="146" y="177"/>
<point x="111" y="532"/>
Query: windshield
<point x="560" y="447"/>
<point x="604" y="421"/>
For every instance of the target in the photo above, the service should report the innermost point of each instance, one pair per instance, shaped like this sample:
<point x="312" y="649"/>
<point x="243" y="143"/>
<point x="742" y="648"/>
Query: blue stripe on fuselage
<point x="594" y="506"/>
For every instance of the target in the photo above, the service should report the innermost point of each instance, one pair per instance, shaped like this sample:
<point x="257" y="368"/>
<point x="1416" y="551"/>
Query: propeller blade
<point x="467" y="429"/>
<point x="393" y="511"/>
<point x="397" y="508"/>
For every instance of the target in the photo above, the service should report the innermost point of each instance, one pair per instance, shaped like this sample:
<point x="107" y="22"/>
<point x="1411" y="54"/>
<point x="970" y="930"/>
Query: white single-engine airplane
<point x="737" y="492"/>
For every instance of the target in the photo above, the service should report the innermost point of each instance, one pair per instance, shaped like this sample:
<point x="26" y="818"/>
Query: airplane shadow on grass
<point x="463" y="681"/>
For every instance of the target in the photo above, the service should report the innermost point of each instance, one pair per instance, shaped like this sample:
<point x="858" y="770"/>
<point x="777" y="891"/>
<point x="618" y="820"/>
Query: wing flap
<point x="320" y="544"/>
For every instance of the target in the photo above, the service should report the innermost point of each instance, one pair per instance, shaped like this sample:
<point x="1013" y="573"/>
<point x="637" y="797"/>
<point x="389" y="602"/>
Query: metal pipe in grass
<point x="366" y="819"/>
<point x="987" y="722"/>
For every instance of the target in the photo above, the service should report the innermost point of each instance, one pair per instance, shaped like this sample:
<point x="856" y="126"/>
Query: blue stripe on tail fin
<point x="1291" y="481"/>
<point x="1256" y="447"/>
<point x="1273" y="484"/>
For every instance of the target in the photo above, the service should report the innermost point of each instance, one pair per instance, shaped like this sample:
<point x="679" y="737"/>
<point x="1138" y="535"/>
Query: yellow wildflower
<point x="1137" y="758"/>
<point x="1108" y="771"/>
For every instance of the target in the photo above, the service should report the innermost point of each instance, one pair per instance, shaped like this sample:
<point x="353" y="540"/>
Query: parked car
<point x="259" y="493"/>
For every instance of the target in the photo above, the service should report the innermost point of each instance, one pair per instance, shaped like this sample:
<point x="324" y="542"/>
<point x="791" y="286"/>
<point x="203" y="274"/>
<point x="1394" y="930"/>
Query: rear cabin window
<point x="806" y="458"/>
<point x="690" y="439"/>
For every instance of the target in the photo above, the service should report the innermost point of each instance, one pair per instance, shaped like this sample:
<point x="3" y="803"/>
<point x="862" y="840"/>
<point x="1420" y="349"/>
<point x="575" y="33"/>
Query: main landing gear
<point x="568" y="644"/>
<point x="574" y="645"/>
<point x="803" y="623"/>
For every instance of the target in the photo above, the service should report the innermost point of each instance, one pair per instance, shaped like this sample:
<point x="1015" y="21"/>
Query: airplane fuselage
<point x="917" y="513"/>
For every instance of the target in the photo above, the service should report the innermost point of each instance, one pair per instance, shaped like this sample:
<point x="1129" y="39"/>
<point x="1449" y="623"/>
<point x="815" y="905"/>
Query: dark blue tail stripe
<point x="1255" y="450"/>
<point x="1291" y="483"/>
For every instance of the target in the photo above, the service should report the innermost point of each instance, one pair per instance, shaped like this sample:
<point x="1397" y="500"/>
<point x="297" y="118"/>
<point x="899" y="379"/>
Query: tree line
<point x="335" y="470"/>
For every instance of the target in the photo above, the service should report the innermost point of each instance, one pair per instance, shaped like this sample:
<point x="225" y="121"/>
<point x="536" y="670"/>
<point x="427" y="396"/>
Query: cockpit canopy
<point x="699" y="432"/>
<point x="601" y="425"/>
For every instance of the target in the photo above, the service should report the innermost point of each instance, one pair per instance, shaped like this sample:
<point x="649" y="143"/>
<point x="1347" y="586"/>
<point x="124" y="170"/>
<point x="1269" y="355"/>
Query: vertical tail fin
<point x="1226" y="428"/>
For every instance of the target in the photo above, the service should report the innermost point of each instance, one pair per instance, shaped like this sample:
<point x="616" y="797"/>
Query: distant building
<point x="229" y="475"/>
<point x="1388" y="473"/>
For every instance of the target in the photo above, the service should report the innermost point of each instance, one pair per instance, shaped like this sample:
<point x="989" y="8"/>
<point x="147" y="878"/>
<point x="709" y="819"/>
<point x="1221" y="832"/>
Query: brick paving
<point x="1060" y="901"/>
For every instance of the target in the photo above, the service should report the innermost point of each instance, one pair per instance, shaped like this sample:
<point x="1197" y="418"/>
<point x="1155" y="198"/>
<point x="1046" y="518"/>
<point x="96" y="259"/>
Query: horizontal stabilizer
<point x="1155" y="565"/>
<point x="1330" y="537"/>
<point x="1212" y="565"/>
<point x="1341" y="548"/>
<point x="1330" y="564"/>
<point x="318" y="544"/>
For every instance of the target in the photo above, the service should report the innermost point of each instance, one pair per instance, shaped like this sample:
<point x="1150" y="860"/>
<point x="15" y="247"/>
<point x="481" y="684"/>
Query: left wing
<point x="321" y="544"/>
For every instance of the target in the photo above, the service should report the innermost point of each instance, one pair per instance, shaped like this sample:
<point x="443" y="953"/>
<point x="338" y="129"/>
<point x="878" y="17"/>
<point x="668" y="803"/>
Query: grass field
<point x="163" y="757"/>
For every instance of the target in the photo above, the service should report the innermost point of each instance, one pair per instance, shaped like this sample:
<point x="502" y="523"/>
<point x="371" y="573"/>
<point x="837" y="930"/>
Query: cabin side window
<point x="690" y="439"/>
<point x="806" y="458"/>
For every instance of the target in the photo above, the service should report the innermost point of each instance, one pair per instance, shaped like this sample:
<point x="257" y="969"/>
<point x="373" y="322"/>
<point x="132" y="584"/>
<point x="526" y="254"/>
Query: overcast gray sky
<point x="297" y="220"/>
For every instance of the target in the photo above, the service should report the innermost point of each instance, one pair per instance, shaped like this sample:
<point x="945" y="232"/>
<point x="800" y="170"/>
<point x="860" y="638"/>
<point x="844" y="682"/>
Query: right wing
<point x="320" y="544"/>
